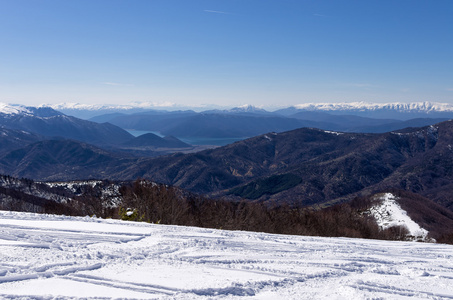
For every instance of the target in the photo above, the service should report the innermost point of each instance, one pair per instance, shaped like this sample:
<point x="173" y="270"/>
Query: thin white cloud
<point x="216" y="12"/>
<point x="319" y="15"/>
<point x="450" y="89"/>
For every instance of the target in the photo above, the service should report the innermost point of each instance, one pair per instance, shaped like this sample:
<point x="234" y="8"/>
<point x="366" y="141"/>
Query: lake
<point x="193" y="140"/>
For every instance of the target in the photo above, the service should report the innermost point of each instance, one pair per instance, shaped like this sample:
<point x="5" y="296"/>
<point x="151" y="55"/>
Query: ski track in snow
<point x="58" y="257"/>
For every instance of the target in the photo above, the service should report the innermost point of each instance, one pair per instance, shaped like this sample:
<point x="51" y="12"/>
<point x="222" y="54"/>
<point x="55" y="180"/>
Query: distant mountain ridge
<point x="50" y="123"/>
<point x="244" y="109"/>
<point x="398" y="106"/>
<point x="248" y="120"/>
<point x="420" y="107"/>
<point x="87" y="111"/>
<point x="397" y="110"/>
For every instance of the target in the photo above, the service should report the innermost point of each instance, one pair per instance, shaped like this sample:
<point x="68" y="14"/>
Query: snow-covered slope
<point x="388" y="213"/>
<point x="83" y="106"/>
<point x="8" y="109"/>
<point x="12" y="110"/>
<point x="57" y="257"/>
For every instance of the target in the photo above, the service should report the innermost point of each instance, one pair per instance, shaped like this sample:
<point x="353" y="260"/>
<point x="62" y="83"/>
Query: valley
<point x="301" y="168"/>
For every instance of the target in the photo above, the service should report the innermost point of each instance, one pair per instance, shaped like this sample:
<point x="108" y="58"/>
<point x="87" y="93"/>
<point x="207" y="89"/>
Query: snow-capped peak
<point x="247" y="108"/>
<point x="13" y="109"/>
<point x="130" y="106"/>
<point x="82" y="106"/>
<point x="243" y="109"/>
<point x="365" y="106"/>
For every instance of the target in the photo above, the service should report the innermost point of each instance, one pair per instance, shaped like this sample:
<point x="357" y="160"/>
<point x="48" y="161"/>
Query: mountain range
<point x="249" y="121"/>
<point x="304" y="166"/>
<point x="315" y="167"/>
<point x="50" y="123"/>
<point x="381" y="110"/>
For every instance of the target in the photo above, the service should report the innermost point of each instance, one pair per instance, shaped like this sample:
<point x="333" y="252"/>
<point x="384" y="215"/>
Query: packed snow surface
<point x="57" y="257"/>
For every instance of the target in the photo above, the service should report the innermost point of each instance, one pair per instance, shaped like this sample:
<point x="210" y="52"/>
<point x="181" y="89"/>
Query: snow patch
<point x="333" y="132"/>
<point x="73" y="185"/>
<point x="389" y="213"/>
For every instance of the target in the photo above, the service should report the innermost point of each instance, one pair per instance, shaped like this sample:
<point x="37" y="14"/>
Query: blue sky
<point x="228" y="53"/>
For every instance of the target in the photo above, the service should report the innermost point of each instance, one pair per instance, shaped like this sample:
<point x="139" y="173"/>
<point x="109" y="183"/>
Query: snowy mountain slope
<point x="397" y="106"/>
<point x="389" y="213"/>
<point x="48" y="257"/>
<point x="11" y="110"/>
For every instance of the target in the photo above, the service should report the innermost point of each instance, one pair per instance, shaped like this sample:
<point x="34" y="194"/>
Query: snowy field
<point x="57" y="257"/>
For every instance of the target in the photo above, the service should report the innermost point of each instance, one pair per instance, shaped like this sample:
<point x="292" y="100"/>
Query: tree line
<point x="147" y="201"/>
